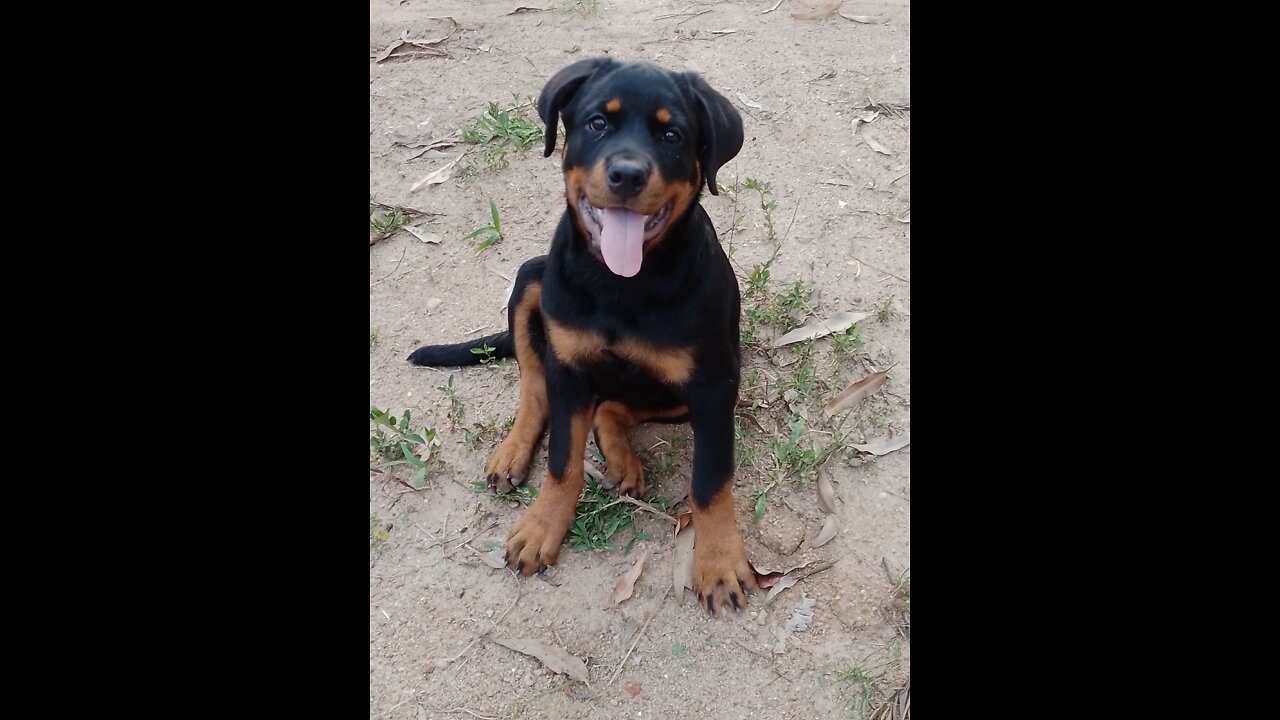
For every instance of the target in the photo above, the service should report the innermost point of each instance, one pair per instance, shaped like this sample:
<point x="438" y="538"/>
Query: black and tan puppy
<point x="632" y="315"/>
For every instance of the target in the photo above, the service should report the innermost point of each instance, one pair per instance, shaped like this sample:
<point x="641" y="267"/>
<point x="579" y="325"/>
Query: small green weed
<point x="373" y="338"/>
<point x="640" y="535"/>
<point x="581" y="7"/>
<point x="600" y="514"/>
<point x="377" y="535"/>
<point x="493" y="233"/>
<point x="496" y="130"/>
<point x="395" y="441"/>
<point x="885" y="310"/>
<point x="485" y="352"/>
<point x="761" y="496"/>
<point x="864" y="683"/>
<point x="387" y="220"/>
<point x="847" y="342"/>
<point x="456" y="409"/>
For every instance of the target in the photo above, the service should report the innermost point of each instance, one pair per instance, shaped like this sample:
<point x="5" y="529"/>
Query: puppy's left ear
<point x="720" y="126"/>
<point x="559" y="91"/>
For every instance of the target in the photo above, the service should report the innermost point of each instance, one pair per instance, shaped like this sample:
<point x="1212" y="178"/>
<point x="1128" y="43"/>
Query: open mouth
<point x="620" y="234"/>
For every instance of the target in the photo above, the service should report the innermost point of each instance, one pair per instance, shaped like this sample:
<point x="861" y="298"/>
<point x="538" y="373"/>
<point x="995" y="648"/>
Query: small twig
<point x="394" y="269"/>
<point x="899" y="177"/>
<point x="643" y="505"/>
<point x="793" y="220"/>
<point x="775" y="7"/>
<point x="639" y="635"/>
<point x="886" y="272"/>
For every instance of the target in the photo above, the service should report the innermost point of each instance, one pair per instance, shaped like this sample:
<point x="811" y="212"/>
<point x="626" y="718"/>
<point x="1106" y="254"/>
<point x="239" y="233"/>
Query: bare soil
<point x="841" y="220"/>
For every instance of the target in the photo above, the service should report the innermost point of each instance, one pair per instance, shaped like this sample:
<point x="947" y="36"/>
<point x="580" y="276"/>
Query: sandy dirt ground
<point x="826" y="107"/>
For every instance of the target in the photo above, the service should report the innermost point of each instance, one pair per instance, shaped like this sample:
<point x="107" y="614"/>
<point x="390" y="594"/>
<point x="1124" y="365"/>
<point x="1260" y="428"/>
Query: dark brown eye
<point x="597" y="123"/>
<point x="673" y="136"/>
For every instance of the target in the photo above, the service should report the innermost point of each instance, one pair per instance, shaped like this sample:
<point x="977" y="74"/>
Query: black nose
<point x="627" y="177"/>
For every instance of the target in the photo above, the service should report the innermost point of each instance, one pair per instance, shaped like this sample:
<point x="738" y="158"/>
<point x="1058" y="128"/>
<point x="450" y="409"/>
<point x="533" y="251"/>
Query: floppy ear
<point x="721" y="129"/>
<point x="559" y="91"/>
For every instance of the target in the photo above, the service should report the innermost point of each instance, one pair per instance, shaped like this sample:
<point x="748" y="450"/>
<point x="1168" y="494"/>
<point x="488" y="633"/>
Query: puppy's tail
<point x="466" y="353"/>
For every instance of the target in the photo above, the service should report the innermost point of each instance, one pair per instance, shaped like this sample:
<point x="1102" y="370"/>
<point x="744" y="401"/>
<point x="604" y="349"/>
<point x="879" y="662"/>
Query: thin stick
<point x="639" y="635"/>
<point x="775" y="7"/>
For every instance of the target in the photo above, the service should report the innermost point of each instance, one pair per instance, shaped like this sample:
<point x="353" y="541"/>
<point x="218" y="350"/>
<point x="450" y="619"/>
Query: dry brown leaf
<point x="875" y="145"/>
<point x="829" y="528"/>
<point x="819" y="13"/>
<point x="682" y="569"/>
<point x="436" y="177"/>
<point x="865" y="19"/>
<point x="884" y="446"/>
<point x="556" y="658"/>
<point x="826" y="493"/>
<point x="782" y="583"/>
<point x="625" y="585"/>
<point x="523" y="9"/>
<point x="854" y="394"/>
<point x="747" y="101"/>
<point x="632" y="688"/>
<point x="815" y="329"/>
<point x="684" y="519"/>
<point x="423" y="234"/>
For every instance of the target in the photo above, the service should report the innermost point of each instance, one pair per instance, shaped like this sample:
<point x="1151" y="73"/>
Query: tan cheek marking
<point x="613" y="105"/>
<point x="664" y="115"/>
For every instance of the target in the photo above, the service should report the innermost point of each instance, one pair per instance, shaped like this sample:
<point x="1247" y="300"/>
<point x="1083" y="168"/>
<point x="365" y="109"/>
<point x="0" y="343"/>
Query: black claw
<point x="492" y="480"/>
<point x="506" y="557"/>
<point x="711" y="605"/>
<point x="520" y="566"/>
<point x="734" y="598"/>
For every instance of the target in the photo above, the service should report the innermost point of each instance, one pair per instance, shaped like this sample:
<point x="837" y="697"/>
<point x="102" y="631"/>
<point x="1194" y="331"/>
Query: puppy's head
<point x="639" y="143"/>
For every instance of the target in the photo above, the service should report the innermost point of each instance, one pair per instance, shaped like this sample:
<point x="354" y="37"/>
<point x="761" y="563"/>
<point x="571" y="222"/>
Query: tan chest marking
<point x="578" y="348"/>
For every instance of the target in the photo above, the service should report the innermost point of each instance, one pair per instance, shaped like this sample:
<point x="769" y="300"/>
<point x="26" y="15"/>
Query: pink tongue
<point x="622" y="240"/>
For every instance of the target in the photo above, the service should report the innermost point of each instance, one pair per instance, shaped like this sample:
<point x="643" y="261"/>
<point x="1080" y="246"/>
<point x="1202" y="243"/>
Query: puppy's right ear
<point x="559" y="91"/>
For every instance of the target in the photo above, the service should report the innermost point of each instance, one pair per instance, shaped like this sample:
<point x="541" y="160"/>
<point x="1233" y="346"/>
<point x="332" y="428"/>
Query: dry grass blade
<point x="748" y="102"/>
<point x="815" y="329"/>
<point x="625" y="585"/>
<point x="905" y="217"/>
<point x="826" y="493"/>
<point x="775" y="7"/>
<point x="829" y="528"/>
<point x="818" y="13"/>
<point x="556" y="658"/>
<point x="884" y="446"/>
<point x="854" y="394"/>
<point x="524" y="9"/>
<point x="897" y="707"/>
<point x="865" y="19"/>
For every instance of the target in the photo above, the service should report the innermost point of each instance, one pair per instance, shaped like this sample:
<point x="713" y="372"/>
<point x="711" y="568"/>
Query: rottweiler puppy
<point x="633" y="314"/>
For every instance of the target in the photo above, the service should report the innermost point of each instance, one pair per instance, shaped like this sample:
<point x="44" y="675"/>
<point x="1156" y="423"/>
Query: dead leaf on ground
<point x="747" y="101"/>
<point x="875" y="144"/>
<point x="818" y="13"/>
<point x="436" y="177"/>
<point x="625" y="585"/>
<point x="437" y="144"/>
<point x="842" y="183"/>
<point x="781" y="584"/>
<point x="829" y="528"/>
<point x="815" y="329"/>
<point x="682" y="568"/>
<point x="905" y="217"/>
<point x="523" y="9"/>
<point x="495" y="558"/>
<point x="865" y="19"/>
<point x="423" y="234"/>
<point x="556" y="658"/>
<point x="826" y="493"/>
<point x="632" y="688"/>
<point x="854" y="394"/>
<point x="884" y="446"/>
